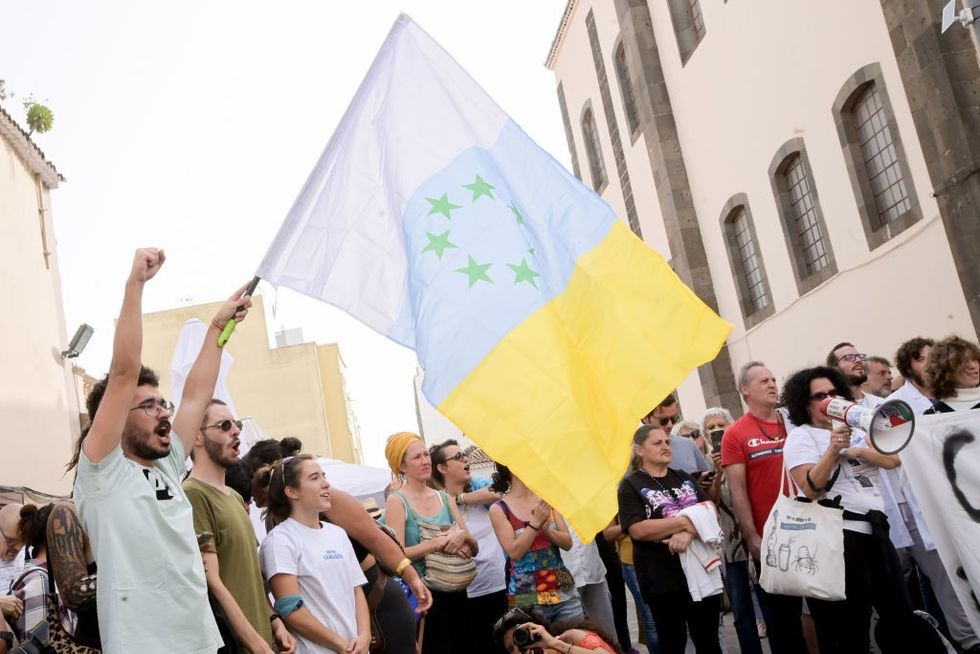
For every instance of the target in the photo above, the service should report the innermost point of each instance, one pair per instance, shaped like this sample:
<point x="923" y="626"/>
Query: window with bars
<point x="696" y="19"/>
<point x="878" y="152"/>
<point x="626" y="89"/>
<point x="809" y="236"/>
<point x="593" y="150"/>
<point x="748" y="269"/>
<point x="802" y="220"/>
<point x="875" y="160"/>
<point x="689" y="25"/>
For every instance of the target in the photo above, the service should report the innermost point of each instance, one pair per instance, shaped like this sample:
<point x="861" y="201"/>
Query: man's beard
<point x="139" y="442"/>
<point x="917" y="379"/>
<point x="858" y="379"/>
<point x="213" y="450"/>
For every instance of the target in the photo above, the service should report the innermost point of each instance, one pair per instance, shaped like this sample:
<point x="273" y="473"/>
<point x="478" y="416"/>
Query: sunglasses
<point x="821" y="396"/>
<point x="851" y="358"/>
<point x="225" y="425"/>
<point x="282" y="470"/>
<point x="672" y="420"/>
<point x="695" y="434"/>
<point x="459" y="456"/>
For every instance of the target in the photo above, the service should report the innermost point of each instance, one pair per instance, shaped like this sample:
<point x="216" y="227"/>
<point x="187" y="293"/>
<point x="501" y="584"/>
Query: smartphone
<point x="716" y="435"/>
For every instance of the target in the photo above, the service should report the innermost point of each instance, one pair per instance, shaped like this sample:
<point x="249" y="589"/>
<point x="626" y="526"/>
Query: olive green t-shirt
<point x="234" y="542"/>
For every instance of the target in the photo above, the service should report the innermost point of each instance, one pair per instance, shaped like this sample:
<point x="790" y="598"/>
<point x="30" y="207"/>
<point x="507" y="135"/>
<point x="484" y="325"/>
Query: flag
<point x="545" y="328"/>
<point x="189" y="344"/>
<point x="941" y="462"/>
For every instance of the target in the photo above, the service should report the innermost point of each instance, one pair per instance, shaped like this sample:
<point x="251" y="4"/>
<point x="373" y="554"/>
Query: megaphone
<point x="889" y="426"/>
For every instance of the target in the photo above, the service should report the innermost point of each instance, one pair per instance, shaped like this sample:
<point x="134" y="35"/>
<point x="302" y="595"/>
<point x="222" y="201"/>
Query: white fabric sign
<point x="943" y="464"/>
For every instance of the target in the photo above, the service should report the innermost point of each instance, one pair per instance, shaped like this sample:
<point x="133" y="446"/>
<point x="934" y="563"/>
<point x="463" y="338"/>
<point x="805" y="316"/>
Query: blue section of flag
<point x="454" y="326"/>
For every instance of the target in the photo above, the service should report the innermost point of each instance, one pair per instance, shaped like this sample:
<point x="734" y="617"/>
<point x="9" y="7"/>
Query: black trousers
<point x="617" y="590"/>
<point x="447" y="624"/>
<point x="676" y="615"/>
<point x="485" y="610"/>
<point x="782" y="614"/>
<point x="872" y="579"/>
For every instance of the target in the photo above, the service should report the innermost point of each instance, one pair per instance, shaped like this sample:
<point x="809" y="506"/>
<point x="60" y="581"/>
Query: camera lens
<point x="523" y="637"/>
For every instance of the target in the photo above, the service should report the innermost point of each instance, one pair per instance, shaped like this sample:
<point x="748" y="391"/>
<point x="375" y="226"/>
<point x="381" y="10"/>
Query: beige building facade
<point x="783" y="158"/>
<point x="293" y="390"/>
<point x="38" y="400"/>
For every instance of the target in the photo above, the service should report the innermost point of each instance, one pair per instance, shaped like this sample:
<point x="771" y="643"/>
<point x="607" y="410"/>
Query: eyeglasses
<point x="694" y="434"/>
<point x="851" y="358"/>
<point x="225" y="425"/>
<point x="672" y="420"/>
<point x="510" y="615"/>
<point x="152" y="407"/>
<point x="459" y="456"/>
<point x="821" y="396"/>
<point x="9" y="542"/>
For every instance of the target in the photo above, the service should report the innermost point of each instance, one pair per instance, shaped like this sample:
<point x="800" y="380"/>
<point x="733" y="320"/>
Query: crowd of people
<point x="256" y="552"/>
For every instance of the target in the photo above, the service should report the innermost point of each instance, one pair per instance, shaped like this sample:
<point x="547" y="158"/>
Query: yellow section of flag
<point x="558" y="399"/>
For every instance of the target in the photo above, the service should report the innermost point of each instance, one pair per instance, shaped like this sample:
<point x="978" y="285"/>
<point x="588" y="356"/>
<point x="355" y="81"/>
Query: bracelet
<point x="570" y="646"/>
<point x="533" y="527"/>
<point x="459" y="499"/>
<point x="274" y="617"/>
<point x="813" y="486"/>
<point x="214" y="323"/>
<point x="402" y="566"/>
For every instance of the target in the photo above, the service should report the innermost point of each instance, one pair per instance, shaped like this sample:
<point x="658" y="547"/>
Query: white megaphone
<point x="889" y="426"/>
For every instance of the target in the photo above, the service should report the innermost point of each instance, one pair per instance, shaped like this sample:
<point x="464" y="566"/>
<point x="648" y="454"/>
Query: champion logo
<point x="759" y="442"/>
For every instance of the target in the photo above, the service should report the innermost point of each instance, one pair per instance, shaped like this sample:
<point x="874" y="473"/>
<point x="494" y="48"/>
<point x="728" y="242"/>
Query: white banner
<point x="943" y="465"/>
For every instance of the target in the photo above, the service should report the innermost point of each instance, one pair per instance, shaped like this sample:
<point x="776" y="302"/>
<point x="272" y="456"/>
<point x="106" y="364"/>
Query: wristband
<point x="459" y="499"/>
<point x="402" y="566"/>
<point x="533" y="527"/>
<point x="274" y="617"/>
<point x="813" y="486"/>
<point x="214" y="323"/>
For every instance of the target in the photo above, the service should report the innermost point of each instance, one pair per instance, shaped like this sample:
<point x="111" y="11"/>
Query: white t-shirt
<point x="326" y="568"/>
<point x="152" y="596"/>
<point x="490" y="561"/>
<point x="857" y="484"/>
<point x="584" y="562"/>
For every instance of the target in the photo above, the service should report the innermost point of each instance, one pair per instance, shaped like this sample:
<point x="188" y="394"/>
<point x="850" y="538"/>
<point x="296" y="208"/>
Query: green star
<point x="517" y="214"/>
<point x="442" y="205"/>
<point x="524" y="273"/>
<point x="439" y="243"/>
<point x="479" y="187"/>
<point x="476" y="271"/>
<point x="531" y="251"/>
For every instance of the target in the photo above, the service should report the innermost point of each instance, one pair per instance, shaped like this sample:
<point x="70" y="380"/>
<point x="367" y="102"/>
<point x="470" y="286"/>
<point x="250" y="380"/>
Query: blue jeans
<point x="649" y="628"/>
<point x="740" y="596"/>
<point x="570" y="609"/>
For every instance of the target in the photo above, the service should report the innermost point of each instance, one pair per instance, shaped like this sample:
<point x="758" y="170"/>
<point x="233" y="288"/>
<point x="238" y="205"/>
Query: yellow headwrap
<point x="396" y="447"/>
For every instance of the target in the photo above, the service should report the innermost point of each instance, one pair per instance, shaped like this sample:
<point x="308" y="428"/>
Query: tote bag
<point x="802" y="551"/>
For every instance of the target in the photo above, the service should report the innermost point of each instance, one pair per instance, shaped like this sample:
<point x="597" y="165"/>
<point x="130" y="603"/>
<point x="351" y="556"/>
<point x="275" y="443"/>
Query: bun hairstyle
<point x="33" y="526"/>
<point x="269" y="486"/>
<point x="502" y="479"/>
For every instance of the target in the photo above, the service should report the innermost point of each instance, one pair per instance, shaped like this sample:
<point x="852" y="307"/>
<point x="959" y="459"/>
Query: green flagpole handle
<point x="230" y="325"/>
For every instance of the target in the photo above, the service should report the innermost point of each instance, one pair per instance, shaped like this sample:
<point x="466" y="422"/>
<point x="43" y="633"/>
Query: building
<point x="38" y="399"/>
<point x="296" y="389"/>
<point x="809" y="172"/>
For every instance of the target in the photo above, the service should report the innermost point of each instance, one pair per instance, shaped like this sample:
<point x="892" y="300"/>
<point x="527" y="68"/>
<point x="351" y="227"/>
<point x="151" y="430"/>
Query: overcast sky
<point x="192" y="125"/>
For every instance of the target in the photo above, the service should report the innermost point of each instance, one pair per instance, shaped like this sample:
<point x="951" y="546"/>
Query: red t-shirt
<point x="759" y="445"/>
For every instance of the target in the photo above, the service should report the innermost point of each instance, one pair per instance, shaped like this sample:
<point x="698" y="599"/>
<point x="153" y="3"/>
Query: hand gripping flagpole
<point x="230" y="325"/>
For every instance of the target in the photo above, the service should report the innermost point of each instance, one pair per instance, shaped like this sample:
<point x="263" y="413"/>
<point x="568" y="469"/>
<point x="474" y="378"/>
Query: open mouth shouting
<point x="163" y="430"/>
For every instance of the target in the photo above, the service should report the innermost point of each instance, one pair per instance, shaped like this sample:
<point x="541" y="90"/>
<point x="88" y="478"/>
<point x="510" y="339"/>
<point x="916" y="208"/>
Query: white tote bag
<point x="802" y="548"/>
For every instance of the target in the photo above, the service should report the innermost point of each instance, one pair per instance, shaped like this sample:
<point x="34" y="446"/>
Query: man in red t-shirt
<point x="752" y="453"/>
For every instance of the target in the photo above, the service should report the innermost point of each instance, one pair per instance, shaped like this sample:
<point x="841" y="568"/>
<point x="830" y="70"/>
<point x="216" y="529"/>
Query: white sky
<point x="192" y="125"/>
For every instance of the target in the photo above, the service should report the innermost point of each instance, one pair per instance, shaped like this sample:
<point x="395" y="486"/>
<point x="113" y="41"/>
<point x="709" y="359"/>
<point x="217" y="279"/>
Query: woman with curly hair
<point x="829" y="462"/>
<point x="527" y="624"/>
<point x="953" y="373"/>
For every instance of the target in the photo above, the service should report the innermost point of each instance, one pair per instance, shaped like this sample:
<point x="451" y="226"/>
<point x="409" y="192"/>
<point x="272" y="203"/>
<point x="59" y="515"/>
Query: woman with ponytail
<point x="447" y="623"/>
<point x="310" y="565"/>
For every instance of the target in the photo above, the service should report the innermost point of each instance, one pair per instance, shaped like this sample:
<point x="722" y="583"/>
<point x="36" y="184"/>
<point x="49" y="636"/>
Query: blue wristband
<point x="287" y="604"/>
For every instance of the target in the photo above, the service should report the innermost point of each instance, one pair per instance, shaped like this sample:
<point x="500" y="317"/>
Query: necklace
<point x="657" y="481"/>
<point x="781" y="429"/>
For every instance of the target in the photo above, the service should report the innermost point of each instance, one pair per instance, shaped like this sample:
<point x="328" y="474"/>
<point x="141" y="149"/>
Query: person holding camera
<point x="525" y="630"/>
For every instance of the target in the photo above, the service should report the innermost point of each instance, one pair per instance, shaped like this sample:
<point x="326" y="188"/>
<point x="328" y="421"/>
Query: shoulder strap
<point x="408" y="506"/>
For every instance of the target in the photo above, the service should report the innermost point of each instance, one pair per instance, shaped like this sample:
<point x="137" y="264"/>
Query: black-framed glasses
<point x="459" y="456"/>
<point x="510" y="615"/>
<point x="851" y="358"/>
<point x="821" y="396"/>
<point x="225" y="425"/>
<point x="152" y="407"/>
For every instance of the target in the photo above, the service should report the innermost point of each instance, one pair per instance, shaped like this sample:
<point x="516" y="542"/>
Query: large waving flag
<point x="546" y="329"/>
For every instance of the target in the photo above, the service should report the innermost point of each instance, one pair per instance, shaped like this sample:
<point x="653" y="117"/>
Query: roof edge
<point x="32" y="155"/>
<point x="556" y="43"/>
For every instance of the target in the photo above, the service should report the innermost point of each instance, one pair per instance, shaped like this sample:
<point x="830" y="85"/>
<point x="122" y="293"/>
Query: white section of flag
<point x="342" y="241"/>
<point x="185" y="354"/>
<point x="954" y="530"/>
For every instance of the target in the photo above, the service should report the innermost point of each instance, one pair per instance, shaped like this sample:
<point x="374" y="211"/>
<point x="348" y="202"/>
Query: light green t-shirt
<point x="234" y="543"/>
<point x="152" y="597"/>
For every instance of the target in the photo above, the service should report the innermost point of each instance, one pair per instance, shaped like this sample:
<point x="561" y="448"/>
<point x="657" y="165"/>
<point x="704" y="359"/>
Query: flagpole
<point x="230" y="326"/>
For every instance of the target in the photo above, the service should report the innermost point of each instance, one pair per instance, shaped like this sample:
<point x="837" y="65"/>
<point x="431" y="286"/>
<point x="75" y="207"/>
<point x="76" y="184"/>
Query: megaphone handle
<point x="834" y="426"/>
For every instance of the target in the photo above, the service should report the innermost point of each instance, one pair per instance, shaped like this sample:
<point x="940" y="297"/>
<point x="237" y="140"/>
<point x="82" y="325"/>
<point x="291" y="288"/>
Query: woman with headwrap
<point x="446" y="625"/>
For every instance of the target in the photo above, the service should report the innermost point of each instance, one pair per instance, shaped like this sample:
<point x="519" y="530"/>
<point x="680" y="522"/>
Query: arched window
<point x="593" y="150"/>
<point x="875" y="158"/>
<point x="748" y="270"/>
<point x="688" y="25"/>
<point x="803" y="224"/>
<point x="626" y="89"/>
